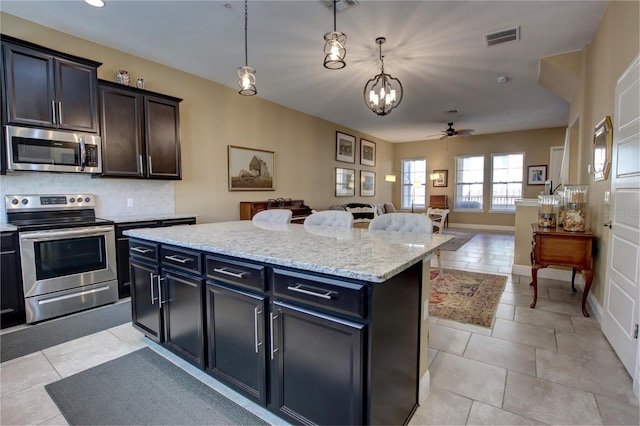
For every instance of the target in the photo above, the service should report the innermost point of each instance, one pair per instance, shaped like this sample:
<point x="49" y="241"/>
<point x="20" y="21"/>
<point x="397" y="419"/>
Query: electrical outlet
<point x="129" y="202"/>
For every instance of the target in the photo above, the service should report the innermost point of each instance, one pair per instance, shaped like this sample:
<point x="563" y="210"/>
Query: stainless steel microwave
<point x="52" y="151"/>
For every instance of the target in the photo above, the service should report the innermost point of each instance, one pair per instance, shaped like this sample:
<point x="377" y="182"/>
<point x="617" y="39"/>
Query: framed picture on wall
<point x="441" y="178"/>
<point x="537" y="175"/>
<point x="367" y="184"/>
<point x="367" y="153"/>
<point x="345" y="148"/>
<point x="345" y="182"/>
<point x="251" y="169"/>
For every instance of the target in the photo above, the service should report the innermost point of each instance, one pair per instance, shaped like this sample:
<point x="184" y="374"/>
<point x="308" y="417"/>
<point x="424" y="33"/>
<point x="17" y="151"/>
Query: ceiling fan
<point x="451" y="132"/>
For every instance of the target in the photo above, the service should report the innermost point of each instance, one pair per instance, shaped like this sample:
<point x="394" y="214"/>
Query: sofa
<point x="363" y="213"/>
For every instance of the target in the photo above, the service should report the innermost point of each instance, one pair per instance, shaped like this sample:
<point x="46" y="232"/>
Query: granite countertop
<point x="146" y="217"/>
<point x="7" y="227"/>
<point x="362" y="254"/>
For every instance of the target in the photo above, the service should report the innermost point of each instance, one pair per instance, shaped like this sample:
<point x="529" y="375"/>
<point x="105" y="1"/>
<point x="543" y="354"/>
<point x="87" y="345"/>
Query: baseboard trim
<point x="481" y="226"/>
<point x="424" y="387"/>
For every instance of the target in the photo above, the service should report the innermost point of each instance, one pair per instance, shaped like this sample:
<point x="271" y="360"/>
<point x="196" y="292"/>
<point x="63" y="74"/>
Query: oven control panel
<point x="49" y="202"/>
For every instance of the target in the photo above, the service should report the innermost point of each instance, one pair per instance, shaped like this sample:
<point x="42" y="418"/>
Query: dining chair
<point x="405" y="222"/>
<point x="335" y="218"/>
<point x="273" y="216"/>
<point x="438" y="218"/>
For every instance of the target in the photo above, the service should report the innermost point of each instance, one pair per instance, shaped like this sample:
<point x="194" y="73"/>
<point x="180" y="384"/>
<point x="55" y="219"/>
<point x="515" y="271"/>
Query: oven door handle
<point x="85" y="232"/>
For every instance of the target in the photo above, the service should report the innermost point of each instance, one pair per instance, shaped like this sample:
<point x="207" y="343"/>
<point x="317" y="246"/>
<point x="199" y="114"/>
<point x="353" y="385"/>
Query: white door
<point x="622" y="291"/>
<point x="555" y="164"/>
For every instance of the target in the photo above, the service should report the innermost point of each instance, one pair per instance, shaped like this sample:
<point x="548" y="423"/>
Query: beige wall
<point x="440" y="154"/>
<point x="213" y="116"/>
<point x="615" y="44"/>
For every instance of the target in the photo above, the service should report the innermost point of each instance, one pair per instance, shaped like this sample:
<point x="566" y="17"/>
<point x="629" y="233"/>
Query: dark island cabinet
<point x="45" y="88"/>
<point x="167" y="294"/>
<point x="122" y="247"/>
<point x="11" y="294"/>
<point x="140" y="133"/>
<point x="236" y="327"/>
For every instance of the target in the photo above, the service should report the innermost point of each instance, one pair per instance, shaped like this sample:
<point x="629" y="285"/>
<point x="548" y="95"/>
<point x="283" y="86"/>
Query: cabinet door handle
<point x="59" y="113"/>
<point x="299" y="289"/>
<point x="256" y="312"/>
<point x="54" y="116"/>
<point x="152" y="277"/>
<point x="140" y="161"/>
<point x="159" y="282"/>
<point x="141" y="250"/>
<point x="226" y="271"/>
<point x="273" y="350"/>
<point x="175" y="258"/>
<point x="150" y="164"/>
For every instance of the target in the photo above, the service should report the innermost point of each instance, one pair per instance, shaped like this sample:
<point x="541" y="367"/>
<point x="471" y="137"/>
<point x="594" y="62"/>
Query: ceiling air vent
<point x="341" y="5"/>
<point x="503" y="36"/>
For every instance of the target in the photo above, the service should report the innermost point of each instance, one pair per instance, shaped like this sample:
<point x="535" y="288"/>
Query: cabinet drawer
<point x="241" y="273"/>
<point x="143" y="249"/>
<point x="187" y="260"/>
<point x="334" y="295"/>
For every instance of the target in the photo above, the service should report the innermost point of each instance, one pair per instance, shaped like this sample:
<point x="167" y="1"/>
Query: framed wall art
<point x="367" y="184"/>
<point x="537" y="175"/>
<point x="345" y="182"/>
<point x="441" y="178"/>
<point x="251" y="169"/>
<point x="367" y="153"/>
<point x="345" y="148"/>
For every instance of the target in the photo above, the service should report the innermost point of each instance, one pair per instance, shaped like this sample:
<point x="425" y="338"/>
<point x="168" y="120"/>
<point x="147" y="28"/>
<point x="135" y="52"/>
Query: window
<point x="469" y="182"/>
<point x="506" y="180"/>
<point x="414" y="176"/>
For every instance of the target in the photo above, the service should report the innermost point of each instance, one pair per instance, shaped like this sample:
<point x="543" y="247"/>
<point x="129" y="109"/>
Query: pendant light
<point x="382" y="93"/>
<point x="246" y="74"/>
<point x="334" y="50"/>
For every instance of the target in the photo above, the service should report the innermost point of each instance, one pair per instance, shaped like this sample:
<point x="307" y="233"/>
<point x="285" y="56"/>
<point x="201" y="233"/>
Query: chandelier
<point x="334" y="50"/>
<point x="246" y="74"/>
<point x="382" y="93"/>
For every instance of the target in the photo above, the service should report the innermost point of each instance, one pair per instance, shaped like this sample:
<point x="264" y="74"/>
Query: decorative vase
<point x="123" y="77"/>
<point x="575" y="208"/>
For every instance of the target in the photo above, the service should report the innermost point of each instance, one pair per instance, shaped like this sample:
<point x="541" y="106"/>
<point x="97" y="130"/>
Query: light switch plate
<point x="607" y="198"/>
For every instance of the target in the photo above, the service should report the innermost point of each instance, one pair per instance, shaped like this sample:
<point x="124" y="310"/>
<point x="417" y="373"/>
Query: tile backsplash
<point x="112" y="195"/>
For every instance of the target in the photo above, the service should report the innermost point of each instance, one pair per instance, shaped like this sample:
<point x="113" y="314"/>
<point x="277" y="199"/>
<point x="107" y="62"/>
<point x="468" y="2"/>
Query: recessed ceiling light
<point x="451" y="112"/>
<point x="502" y="79"/>
<point x="95" y="3"/>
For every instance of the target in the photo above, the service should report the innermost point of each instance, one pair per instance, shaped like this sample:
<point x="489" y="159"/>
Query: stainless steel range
<point x="67" y="254"/>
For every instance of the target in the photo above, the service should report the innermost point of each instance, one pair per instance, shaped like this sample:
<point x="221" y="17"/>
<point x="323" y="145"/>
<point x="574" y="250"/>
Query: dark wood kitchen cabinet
<point x="140" y="133"/>
<point x="46" y="88"/>
<point x="167" y="294"/>
<point x="11" y="294"/>
<point x="122" y="246"/>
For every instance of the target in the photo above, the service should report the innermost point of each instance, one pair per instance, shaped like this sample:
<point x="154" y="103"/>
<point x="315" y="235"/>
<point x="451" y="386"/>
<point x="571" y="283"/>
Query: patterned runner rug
<point x="464" y="296"/>
<point x="460" y="239"/>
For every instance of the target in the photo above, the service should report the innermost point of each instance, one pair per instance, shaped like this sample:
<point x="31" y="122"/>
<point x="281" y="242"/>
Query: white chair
<point x="336" y="218"/>
<point x="405" y="222"/>
<point x="438" y="217"/>
<point x="273" y="216"/>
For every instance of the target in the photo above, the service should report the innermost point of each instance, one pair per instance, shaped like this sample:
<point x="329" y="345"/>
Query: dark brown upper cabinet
<point x="140" y="133"/>
<point x="46" y="88"/>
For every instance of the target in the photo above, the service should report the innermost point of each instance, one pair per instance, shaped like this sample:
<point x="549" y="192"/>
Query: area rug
<point x="469" y="297"/>
<point x="460" y="239"/>
<point x="43" y="335"/>
<point x="143" y="388"/>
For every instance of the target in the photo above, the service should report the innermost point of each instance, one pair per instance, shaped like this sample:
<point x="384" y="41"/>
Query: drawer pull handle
<point x="175" y="258"/>
<point x="141" y="250"/>
<point x="299" y="289"/>
<point x="152" y="277"/>
<point x="230" y="272"/>
<point x="256" y="312"/>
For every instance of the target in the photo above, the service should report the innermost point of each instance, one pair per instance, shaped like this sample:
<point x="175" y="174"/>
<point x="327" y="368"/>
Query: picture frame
<point x="536" y="175"/>
<point x="251" y="169"/>
<point x="345" y="148"/>
<point x="367" y="183"/>
<point x="442" y="180"/>
<point x="345" y="182"/>
<point x="367" y="152"/>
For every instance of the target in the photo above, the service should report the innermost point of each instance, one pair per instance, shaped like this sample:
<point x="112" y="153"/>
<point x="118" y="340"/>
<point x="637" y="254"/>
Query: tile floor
<point x="544" y="366"/>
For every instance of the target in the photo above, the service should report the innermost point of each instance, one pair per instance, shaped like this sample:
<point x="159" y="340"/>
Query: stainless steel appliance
<point x="52" y="150"/>
<point x="67" y="255"/>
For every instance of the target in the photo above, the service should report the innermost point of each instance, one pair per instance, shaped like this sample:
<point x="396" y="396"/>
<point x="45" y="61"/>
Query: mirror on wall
<point x="602" y="139"/>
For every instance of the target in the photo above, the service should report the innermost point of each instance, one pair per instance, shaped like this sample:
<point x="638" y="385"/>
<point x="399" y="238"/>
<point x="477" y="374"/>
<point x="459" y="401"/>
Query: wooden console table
<point x="555" y="246"/>
<point x="440" y="202"/>
<point x="298" y="209"/>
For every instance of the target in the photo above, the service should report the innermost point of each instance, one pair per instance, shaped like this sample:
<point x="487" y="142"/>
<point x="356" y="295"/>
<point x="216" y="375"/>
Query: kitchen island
<point x="320" y="325"/>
